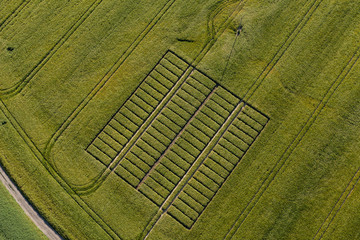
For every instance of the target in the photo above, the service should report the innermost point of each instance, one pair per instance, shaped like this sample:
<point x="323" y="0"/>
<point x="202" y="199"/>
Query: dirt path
<point x="28" y="209"/>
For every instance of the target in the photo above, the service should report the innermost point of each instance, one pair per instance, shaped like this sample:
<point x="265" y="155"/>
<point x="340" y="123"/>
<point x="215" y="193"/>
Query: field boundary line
<point x="27" y="207"/>
<point x="8" y="19"/>
<point x="194" y="167"/>
<point x="231" y="92"/>
<point x="39" y="156"/>
<point x="107" y="76"/>
<point x="338" y="205"/>
<point x="19" y="86"/>
<point x="177" y="136"/>
<point x="292" y="146"/>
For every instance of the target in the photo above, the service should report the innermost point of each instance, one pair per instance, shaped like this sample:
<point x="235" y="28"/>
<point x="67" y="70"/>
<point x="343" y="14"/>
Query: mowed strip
<point x="179" y="155"/>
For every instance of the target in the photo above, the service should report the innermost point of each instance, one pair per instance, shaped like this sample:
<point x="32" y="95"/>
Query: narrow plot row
<point x="181" y="155"/>
<point x="217" y="166"/>
<point x="124" y="124"/>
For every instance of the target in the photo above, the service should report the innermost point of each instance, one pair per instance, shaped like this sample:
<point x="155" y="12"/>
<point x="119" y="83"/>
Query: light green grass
<point x="14" y="223"/>
<point x="285" y="185"/>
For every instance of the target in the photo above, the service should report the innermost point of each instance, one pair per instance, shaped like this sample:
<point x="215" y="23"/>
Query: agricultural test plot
<point x="179" y="126"/>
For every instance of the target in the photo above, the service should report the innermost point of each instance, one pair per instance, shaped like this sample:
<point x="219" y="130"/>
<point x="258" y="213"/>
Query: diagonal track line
<point x="151" y="224"/>
<point x="177" y="137"/>
<point x="38" y="155"/>
<point x="196" y="61"/>
<point x="338" y="205"/>
<point x="44" y="160"/>
<point x="27" y="207"/>
<point x="15" y="89"/>
<point x="142" y="129"/>
<point x="168" y="202"/>
<point x="97" y="182"/>
<point x="282" y="50"/>
<point x="289" y="150"/>
<point x="13" y="14"/>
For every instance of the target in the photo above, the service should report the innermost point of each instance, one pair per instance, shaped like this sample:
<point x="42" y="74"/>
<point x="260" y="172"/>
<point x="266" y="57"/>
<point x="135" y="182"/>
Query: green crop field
<point x="198" y="119"/>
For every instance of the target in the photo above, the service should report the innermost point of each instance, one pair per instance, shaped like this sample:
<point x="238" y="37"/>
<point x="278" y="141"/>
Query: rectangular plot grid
<point x="178" y="138"/>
